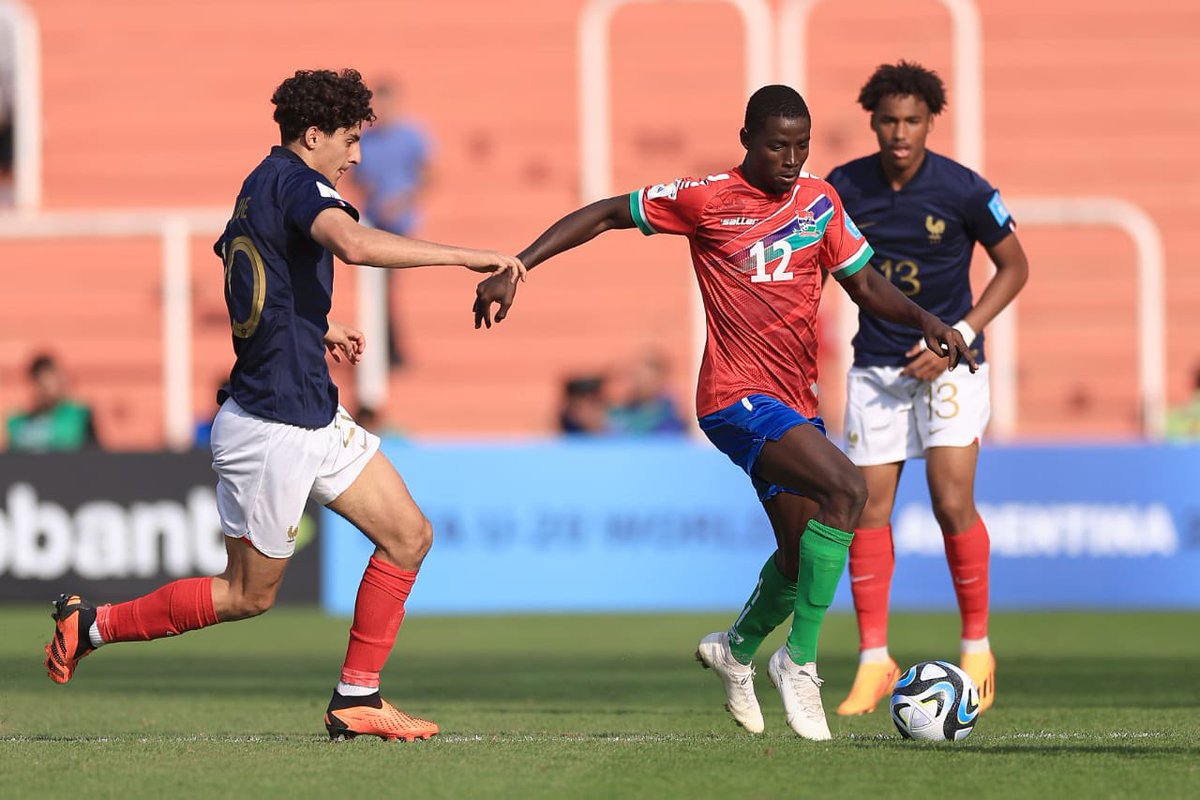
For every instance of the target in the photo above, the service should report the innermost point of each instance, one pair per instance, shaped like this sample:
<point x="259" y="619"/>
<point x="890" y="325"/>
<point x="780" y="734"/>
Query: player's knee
<point x="954" y="514"/>
<point x="409" y="540"/>
<point x="847" y="494"/>
<point x="423" y="539"/>
<point x="251" y="604"/>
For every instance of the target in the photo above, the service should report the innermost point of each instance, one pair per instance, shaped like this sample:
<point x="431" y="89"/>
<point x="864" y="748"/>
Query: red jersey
<point x="758" y="258"/>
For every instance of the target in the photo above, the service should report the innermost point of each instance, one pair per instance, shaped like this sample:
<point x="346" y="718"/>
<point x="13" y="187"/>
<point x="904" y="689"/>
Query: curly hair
<point x="904" y="78"/>
<point x="321" y="97"/>
<point x="774" y="101"/>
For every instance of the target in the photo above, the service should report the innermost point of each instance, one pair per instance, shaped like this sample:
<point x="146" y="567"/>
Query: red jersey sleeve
<point x="844" y="251"/>
<point x="673" y="207"/>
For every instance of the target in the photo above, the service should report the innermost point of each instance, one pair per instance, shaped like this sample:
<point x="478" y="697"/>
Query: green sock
<point x="771" y="603"/>
<point x="823" y="553"/>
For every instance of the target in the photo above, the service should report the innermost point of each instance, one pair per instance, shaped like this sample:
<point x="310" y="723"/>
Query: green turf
<point x="1090" y="705"/>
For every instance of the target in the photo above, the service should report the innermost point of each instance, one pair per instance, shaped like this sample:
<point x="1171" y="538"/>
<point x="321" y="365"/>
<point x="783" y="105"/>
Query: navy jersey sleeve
<point x="985" y="216"/>
<point x="304" y="194"/>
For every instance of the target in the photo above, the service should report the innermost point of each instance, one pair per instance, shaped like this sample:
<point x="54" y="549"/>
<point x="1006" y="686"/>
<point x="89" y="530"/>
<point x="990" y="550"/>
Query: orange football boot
<point x="874" y="681"/>
<point x="982" y="669"/>
<point x="388" y="723"/>
<point x="72" y="616"/>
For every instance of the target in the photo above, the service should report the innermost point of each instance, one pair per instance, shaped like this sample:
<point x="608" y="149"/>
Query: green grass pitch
<point x="1090" y="705"/>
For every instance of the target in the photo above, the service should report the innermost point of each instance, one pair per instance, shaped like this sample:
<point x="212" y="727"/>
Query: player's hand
<point x="496" y="289"/>
<point x="498" y="264"/>
<point x="345" y="340"/>
<point x="946" y="343"/>
<point x="923" y="364"/>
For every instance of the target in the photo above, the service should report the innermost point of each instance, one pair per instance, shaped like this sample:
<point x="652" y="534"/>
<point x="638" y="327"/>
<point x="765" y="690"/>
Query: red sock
<point x="967" y="554"/>
<point x="872" y="562"/>
<point x="378" y="612"/>
<point x="176" y="608"/>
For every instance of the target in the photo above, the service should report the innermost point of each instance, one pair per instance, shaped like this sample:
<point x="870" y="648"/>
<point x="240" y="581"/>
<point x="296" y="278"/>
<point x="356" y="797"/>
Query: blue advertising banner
<point x="673" y="525"/>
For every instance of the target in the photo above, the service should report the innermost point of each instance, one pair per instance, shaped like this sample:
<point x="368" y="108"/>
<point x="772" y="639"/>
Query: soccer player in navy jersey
<point x="923" y="214"/>
<point x="762" y="235"/>
<point x="280" y="436"/>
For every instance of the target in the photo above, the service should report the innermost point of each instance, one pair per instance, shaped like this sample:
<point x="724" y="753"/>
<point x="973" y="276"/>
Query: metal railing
<point x="595" y="169"/>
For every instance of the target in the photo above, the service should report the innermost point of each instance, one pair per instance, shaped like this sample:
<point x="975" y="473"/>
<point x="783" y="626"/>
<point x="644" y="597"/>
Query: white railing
<point x="1115" y="212"/>
<point x="792" y="34"/>
<point x="27" y="104"/>
<point x="595" y="117"/>
<point x="175" y="229"/>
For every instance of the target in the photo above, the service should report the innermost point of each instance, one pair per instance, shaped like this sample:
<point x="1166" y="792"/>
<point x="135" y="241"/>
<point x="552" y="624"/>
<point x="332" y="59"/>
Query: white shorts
<point x="891" y="417"/>
<point x="267" y="471"/>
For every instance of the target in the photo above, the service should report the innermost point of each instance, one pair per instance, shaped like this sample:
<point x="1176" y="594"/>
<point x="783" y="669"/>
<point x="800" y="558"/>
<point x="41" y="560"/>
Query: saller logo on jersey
<point x="741" y="221"/>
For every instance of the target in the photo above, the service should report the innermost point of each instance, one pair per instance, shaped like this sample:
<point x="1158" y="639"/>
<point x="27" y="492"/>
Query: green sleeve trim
<point x="639" y="213"/>
<point x="857" y="262"/>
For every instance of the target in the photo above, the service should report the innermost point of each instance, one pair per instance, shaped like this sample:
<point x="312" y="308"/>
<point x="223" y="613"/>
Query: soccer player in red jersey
<point x="762" y="236"/>
<point x="924" y="214"/>
<point x="280" y="436"/>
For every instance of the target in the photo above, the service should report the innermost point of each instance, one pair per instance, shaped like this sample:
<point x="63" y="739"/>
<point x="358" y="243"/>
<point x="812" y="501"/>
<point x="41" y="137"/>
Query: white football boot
<point x="738" y="678"/>
<point x="800" y="689"/>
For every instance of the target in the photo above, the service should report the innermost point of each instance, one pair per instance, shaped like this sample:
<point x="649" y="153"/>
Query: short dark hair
<point x="42" y="362"/>
<point x="903" y="78"/>
<point x="321" y="97"/>
<point x="774" y="101"/>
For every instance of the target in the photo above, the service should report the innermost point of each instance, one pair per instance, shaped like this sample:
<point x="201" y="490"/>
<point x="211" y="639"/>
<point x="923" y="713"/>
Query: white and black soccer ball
<point x="936" y="701"/>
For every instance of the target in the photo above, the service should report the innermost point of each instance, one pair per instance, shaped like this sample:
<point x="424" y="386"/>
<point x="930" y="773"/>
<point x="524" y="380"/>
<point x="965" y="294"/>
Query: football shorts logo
<point x="935" y="227"/>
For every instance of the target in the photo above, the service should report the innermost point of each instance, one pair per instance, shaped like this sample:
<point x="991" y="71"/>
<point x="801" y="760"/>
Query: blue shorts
<point x="740" y="431"/>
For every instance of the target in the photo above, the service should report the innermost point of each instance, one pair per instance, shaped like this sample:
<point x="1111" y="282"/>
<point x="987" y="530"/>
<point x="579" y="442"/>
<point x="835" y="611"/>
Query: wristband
<point x="965" y="330"/>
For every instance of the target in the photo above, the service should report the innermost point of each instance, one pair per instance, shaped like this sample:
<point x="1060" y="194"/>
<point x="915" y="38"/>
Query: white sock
<point x="976" y="645"/>
<point x="350" y="690"/>
<point x="873" y="655"/>
<point x="94" y="634"/>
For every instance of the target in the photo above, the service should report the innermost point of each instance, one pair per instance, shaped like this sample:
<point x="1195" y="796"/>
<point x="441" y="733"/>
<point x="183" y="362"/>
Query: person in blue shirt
<point x="648" y="409"/>
<point x="281" y="436"/>
<point x="393" y="176"/>
<point x="923" y="213"/>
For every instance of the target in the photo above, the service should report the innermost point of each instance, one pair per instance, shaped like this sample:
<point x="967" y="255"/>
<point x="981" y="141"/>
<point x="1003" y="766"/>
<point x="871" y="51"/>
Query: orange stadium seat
<point x="499" y="93"/>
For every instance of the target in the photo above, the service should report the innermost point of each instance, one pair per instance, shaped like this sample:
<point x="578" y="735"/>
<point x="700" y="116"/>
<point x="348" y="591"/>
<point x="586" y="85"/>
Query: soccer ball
<point x="936" y="701"/>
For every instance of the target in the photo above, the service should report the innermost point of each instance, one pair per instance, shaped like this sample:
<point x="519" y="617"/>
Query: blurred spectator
<point x="648" y="408"/>
<point x="584" y="406"/>
<point x="393" y="175"/>
<point x="54" y="422"/>
<point x="7" y="90"/>
<point x="1183" y="422"/>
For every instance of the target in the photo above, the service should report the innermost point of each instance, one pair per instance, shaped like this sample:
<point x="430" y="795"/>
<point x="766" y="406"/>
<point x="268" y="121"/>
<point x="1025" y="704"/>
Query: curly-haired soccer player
<point x="923" y="213"/>
<point x="280" y="436"/>
<point x="762" y="235"/>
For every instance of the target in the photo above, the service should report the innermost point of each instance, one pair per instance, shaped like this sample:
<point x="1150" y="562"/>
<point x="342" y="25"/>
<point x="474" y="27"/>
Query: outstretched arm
<point x="574" y="229"/>
<point x="336" y="231"/>
<point x="876" y="295"/>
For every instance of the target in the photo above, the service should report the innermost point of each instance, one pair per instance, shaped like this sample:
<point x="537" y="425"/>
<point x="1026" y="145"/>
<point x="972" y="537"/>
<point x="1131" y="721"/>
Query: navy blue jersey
<point x="279" y="287"/>
<point x="923" y="236"/>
